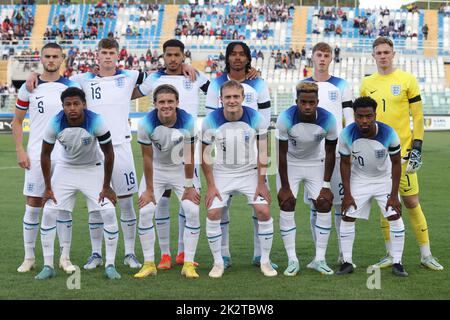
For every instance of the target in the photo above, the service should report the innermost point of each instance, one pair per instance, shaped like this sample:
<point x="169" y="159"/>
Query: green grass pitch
<point x="242" y="280"/>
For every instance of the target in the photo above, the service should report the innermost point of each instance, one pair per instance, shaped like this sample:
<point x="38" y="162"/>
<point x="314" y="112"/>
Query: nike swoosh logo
<point x="323" y="233"/>
<point x="69" y="227"/>
<point x="371" y="92"/>
<point x="130" y="188"/>
<point x="104" y="204"/>
<point x="111" y="238"/>
<point x="29" y="229"/>
<point x="399" y="236"/>
<point x="406" y="190"/>
<point x="344" y="236"/>
<point x="194" y="233"/>
<point x="213" y="241"/>
<point x="423" y="230"/>
<point x="356" y="152"/>
<point x="130" y="225"/>
<point x="94" y="83"/>
<point x="268" y="238"/>
<point x="39" y="97"/>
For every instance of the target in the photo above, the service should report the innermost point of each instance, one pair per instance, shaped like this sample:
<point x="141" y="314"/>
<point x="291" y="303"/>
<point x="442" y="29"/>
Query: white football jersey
<point x="111" y="98"/>
<point x="256" y="95"/>
<point x="370" y="156"/>
<point x="305" y="147"/>
<point x="335" y="96"/>
<point x="235" y="141"/>
<point x="187" y="90"/>
<point x="167" y="143"/>
<point x="80" y="147"/>
<point x="42" y="104"/>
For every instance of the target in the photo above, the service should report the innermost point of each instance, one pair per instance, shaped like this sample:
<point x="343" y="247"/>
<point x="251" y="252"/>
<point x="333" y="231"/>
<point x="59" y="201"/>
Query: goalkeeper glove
<point x="415" y="157"/>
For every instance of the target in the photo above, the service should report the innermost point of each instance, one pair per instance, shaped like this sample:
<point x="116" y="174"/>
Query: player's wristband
<point x="417" y="144"/>
<point x="326" y="184"/>
<point x="188" y="183"/>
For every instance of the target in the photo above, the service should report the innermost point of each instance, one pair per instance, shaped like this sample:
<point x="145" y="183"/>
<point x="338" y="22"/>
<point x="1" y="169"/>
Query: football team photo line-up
<point x="340" y="167"/>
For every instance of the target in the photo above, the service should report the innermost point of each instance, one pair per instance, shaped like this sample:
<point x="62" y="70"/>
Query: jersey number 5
<point x="40" y="106"/>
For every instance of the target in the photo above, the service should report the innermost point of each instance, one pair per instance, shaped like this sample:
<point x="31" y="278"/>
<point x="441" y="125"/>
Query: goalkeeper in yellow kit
<point x="398" y="96"/>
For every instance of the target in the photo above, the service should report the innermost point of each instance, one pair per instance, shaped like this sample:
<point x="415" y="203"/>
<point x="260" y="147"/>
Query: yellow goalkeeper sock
<point x="386" y="232"/>
<point x="419" y="225"/>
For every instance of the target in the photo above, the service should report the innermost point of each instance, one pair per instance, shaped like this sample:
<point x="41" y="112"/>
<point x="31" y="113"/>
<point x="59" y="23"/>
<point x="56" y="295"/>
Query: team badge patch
<point x="396" y="89"/>
<point x="319" y="137"/>
<point x="120" y="82"/>
<point x="380" y="154"/>
<point x="248" y="97"/>
<point x="86" y="141"/>
<point x="30" y="187"/>
<point x="333" y="95"/>
<point x="246" y="135"/>
<point x="187" y="84"/>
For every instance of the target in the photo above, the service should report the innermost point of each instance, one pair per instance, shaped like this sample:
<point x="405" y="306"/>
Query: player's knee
<point x="64" y="215"/>
<point x="126" y="208"/>
<point x="322" y="205"/>
<point x="191" y="212"/>
<point x="411" y="201"/>
<point x="34" y="202"/>
<point x="146" y="215"/>
<point x="348" y="219"/>
<point x="214" y="214"/>
<point x="288" y="205"/>
<point x="397" y="224"/>
<point x="49" y="218"/>
<point x="109" y="220"/>
<point x="262" y="212"/>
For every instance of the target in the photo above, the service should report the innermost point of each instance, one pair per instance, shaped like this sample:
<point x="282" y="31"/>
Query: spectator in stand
<point x="425" y="31"/>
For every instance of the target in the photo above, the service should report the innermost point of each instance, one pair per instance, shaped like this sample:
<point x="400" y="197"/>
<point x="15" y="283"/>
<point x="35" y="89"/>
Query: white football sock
<point x="30" y="230"/>
<point x="337" y="225"/>
<point x="111" y="233"/>
<point x="225" y="226"/>
<point x="425" y="250"/>
<point x="214" y="235"/>
<point x="128" y="223"/>
<point x="191" y="230"/>
<point x="48" y="234"/>
<point x="288" y="233"/>
<point x="347" y="235"/>
<point x="162" y="219"/>
<point x="64" y="231"/>
<point x="397" y="230"/>
<point x="266" y="238"/>
<point x="147" y="231"/>
<point x="96" y="231"/>
<point x="256" y="243"/>
<point x="312" y="221"/>
<point x="323" y="229"/>
<point x="181" y="225"/>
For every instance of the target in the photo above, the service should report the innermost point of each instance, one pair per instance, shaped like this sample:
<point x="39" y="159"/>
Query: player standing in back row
<point x="335" y="96"/>
<point x="42" y="103"/>
<point x="397" y="94"/>
<point x="173" y="55"/>
<point x="256" y="96"/>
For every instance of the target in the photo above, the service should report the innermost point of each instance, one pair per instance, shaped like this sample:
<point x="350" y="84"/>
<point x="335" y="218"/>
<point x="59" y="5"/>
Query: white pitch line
<point x="8" y="168"/>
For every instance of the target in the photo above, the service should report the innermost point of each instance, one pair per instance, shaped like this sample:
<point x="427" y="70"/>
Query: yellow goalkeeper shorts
<point x="409" y="184"/>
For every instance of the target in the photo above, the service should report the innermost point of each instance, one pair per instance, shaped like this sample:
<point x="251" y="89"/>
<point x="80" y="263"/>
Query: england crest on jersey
<point x="380" y="154"/>
<point x="120" y="82"/>
<point x="396" y="89"/>
<point x="187" y="84"/>
<point x="248" y="98"/>
<point x="333" y="95"/>
<point x="86" y="141"/>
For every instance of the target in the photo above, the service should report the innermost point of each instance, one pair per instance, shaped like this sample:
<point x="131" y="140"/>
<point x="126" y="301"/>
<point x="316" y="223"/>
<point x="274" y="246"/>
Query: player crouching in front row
<point x="79" y="169"/>
<point x="167" y="138"/>
<point x="237" y="132"/>
<point x="370" y="175"/>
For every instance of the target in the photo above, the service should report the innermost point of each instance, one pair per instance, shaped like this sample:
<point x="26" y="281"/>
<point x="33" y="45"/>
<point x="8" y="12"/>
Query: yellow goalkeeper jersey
<point x="398" y="96"/>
